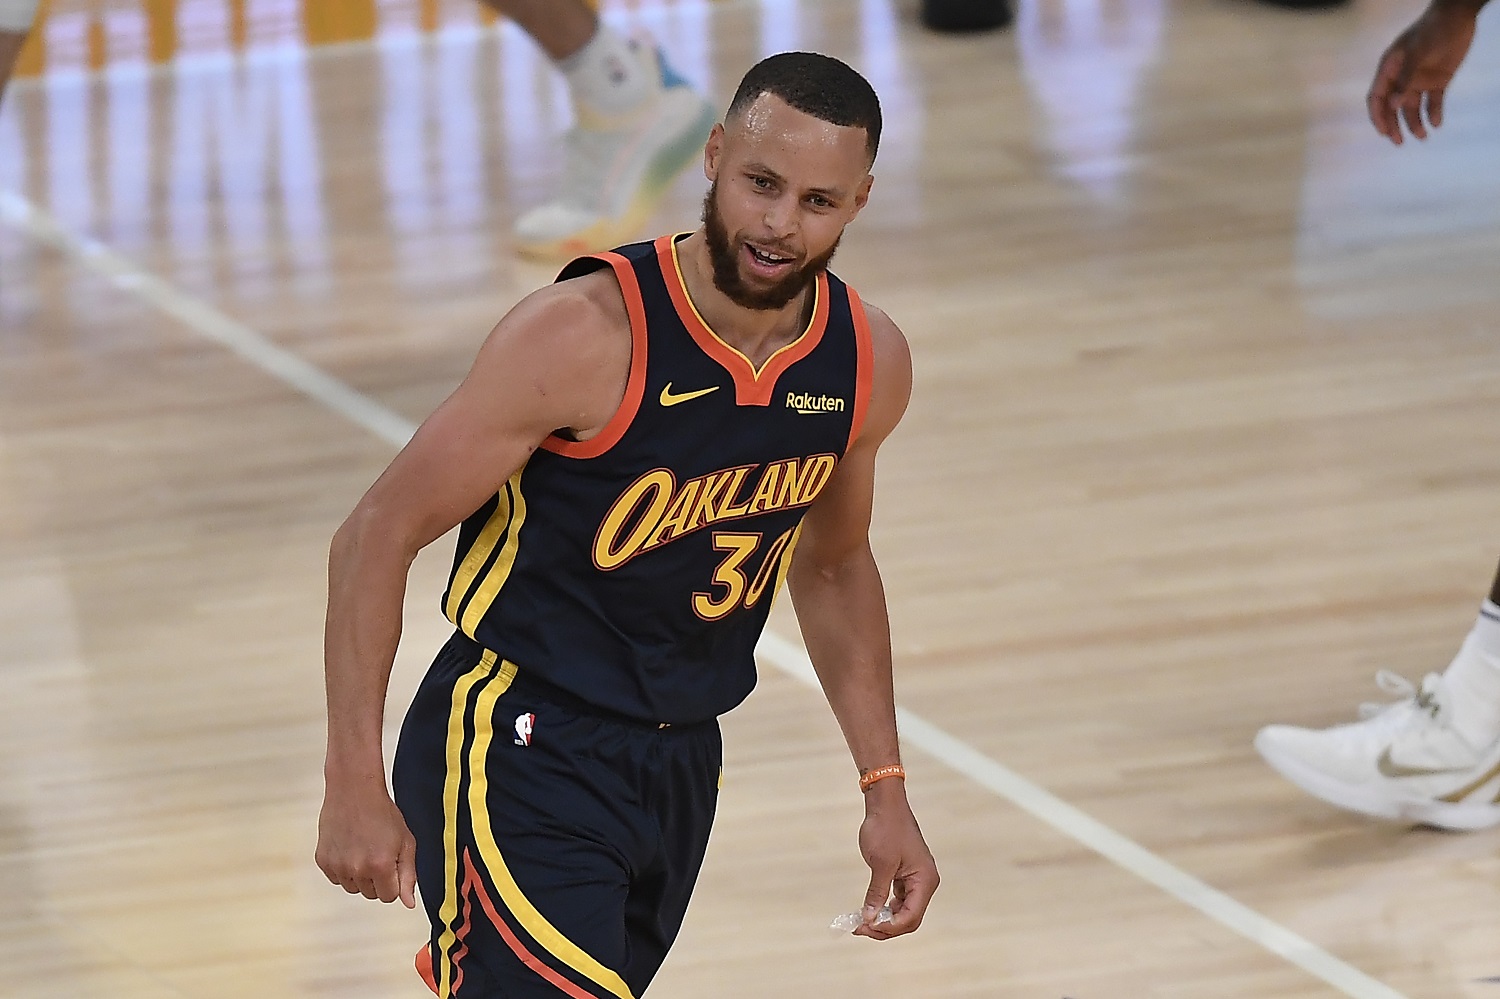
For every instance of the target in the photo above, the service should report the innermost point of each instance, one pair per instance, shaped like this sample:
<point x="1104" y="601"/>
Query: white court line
<point x="775" y="650"/>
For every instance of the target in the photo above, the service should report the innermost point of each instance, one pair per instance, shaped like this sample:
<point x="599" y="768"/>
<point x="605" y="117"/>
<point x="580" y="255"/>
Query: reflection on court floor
<point x="93" y="34"/>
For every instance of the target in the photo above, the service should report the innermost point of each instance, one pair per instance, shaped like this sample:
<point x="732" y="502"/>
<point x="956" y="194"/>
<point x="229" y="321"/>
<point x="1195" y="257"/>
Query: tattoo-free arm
<point x="559" y="359"/>
<point x="841" y="608"/>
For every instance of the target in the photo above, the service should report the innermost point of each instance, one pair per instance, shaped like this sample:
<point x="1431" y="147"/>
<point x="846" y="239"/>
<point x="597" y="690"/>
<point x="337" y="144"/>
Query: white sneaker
<point x="1404" y="761"/>
<point x="617" y="170"/>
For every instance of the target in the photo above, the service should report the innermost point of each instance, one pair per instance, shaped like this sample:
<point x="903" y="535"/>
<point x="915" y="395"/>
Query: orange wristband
<point x="869" y="777"/>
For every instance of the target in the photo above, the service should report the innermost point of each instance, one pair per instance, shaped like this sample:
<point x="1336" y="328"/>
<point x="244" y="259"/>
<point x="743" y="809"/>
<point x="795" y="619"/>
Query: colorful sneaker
<point x="617" y="170"/>
<point x="1404" y="761"/>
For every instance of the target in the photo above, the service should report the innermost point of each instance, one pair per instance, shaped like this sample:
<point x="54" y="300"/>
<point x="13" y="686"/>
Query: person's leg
<point x="685" y="766"/>
<point x="525" y="846"/>
<point x="639" y="125"/>
<point x="1473" y="678"/>
<point x="560" y="27"/>
<point x="1432" y="757"/>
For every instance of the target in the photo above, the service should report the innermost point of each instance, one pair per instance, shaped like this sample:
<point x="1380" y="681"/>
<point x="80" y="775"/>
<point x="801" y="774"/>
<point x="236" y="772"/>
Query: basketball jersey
<point x="635" y="570"/>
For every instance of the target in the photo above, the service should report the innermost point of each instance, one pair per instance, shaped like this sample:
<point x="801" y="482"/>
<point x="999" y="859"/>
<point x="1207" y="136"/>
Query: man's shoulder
<point x="593" y="300"/>
<point x="571" y="342"/>
<point x="885" y="336"/>
<point x="892" y="375"/>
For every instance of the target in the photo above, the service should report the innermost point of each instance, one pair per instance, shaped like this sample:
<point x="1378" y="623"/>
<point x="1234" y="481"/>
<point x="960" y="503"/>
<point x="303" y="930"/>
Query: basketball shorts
<point x="557" y="846"/>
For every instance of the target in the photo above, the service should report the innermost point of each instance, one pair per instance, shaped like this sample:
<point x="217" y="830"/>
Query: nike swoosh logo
<point x="1391" y="768"/>
<point x="668" y="399"/>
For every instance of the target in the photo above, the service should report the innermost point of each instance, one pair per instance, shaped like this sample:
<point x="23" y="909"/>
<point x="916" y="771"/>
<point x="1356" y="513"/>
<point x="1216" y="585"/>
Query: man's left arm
<point x="840" y="602"/>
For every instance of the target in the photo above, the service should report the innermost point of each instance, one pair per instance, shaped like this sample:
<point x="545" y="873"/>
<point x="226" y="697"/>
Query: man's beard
<point x="725" y="259"/>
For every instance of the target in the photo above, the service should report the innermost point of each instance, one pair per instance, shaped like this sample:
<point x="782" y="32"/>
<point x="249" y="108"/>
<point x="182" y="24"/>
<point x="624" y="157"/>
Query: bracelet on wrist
<point x="870" y="777"/>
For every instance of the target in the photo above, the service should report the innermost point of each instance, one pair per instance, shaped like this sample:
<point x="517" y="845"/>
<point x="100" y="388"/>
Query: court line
<point x="786" y="656"/>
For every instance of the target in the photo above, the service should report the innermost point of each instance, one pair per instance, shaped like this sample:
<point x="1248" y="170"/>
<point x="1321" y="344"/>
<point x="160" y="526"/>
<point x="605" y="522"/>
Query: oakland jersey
<point x="635" y="570"/>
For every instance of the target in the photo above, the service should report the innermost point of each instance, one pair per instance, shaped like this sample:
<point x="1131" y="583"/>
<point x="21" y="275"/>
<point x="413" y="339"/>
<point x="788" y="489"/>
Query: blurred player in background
<point x="638" y="126"/>
<point x="1433" y="755"/>
<point x="637" y="123"/>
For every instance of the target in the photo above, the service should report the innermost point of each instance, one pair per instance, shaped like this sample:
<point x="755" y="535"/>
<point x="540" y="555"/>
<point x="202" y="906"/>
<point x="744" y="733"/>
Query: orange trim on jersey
<point x="752" y="386"/>
<point x="865" y="366"/>
<point x="474" y="884"/>
<point x="424" y="968"/>
<point x="427" y="971"/>
<point x="635" y="385"/>
<point x="463" y="943"/>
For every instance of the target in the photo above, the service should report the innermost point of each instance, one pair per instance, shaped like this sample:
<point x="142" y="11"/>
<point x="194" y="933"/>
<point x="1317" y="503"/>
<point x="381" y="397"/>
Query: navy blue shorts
<point x="557" y="847"/>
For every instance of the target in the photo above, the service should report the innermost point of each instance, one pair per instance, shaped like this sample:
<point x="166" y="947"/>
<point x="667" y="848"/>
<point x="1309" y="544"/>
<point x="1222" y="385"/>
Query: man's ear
<point x="712" y="150"/>
<point x="862" y="194"/>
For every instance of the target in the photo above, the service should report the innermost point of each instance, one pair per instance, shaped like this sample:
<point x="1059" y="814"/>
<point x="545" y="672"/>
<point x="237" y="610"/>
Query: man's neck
<point x="756" y="333"/>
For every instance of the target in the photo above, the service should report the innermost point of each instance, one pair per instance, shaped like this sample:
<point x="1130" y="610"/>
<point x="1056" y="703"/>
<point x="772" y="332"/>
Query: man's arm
<point x="841" y="607"/>
<point x="1418" y="66"/>
<point x="560" y="358"/>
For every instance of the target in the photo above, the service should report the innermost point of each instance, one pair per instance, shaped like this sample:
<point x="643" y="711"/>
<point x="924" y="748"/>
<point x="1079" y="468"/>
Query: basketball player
<point x="639" y="124"/>
<point x="1432" y="756"/>
<point x="642" y="452"/>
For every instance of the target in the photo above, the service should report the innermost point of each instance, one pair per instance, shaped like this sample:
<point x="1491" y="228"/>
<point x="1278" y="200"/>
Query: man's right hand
<point x="1417" y="68"/>
<point x="363" y="842"/>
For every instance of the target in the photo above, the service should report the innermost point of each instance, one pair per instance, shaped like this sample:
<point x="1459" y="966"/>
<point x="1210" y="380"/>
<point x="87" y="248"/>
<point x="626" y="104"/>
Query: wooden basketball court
<point x="1203" y="435"/>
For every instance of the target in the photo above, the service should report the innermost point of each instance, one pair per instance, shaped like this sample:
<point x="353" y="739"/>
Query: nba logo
<point x="524" y="724"/>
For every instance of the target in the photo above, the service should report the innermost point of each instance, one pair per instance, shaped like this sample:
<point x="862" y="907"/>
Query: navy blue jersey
<point x="635" y="570"/>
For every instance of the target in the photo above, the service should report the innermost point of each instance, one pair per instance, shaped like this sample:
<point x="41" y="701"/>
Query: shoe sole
<point x="1459" y="817"/>
<point x="670" y="160"/>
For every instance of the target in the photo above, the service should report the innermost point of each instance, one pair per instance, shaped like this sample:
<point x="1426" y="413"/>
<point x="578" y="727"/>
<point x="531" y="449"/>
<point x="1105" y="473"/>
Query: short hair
<point x="814" y="84"/>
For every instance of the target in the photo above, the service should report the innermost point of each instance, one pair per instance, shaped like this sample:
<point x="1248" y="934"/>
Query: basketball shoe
<point x="1404" y="761"/>
<point x="619" y="168"/>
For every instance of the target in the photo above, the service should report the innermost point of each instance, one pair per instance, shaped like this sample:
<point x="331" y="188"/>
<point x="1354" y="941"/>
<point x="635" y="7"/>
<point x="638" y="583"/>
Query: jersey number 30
<point x="738" y="587"/>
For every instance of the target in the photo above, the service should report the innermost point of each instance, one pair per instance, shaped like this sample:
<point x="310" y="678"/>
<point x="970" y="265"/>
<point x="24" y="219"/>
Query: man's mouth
<point x="768" y="261"/>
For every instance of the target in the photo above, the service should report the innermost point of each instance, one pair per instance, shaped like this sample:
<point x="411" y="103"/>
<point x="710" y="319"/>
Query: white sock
<point x="608" y="77"/>
<point x="1473" y="680"/>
